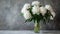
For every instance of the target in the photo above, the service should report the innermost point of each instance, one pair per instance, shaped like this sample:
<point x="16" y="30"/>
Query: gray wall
<point x="10" y="18"/>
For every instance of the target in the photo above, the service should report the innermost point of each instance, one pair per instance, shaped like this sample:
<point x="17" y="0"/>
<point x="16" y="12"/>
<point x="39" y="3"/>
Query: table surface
<point x="29" y="32"/>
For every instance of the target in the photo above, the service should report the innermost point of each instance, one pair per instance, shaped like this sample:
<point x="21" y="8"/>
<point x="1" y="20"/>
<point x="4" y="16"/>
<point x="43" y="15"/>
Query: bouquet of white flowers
<point x="37" y="12"/>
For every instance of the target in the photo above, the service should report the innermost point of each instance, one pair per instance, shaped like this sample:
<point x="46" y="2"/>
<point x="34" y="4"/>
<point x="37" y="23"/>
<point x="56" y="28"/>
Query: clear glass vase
<point x="36" y="27"/>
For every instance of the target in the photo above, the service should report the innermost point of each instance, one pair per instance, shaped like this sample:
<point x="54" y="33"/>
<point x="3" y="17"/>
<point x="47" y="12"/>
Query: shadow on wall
<point x="10" y="18"/>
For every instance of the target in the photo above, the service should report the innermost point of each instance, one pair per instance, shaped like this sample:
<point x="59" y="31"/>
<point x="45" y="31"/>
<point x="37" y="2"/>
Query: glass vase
<point x="36" y="27"/>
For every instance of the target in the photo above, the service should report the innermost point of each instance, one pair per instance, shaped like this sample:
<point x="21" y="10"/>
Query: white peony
<point x="26" y="12"/>
<point x="50" y="9"/>
<point x="27" y="15"/>
<point x="25" y="7"/>
<point x="43" y="10"/>
<point x="35" y="10"/>
<point x="51" y="18"/>
<point x="53" y="13"/>
<point x="35" y="3"/>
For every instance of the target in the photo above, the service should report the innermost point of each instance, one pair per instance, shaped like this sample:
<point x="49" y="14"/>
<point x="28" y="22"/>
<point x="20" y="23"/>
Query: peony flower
<point x="51" y="18"/>
<point x="26" y="12"/>
<point x="27" y="15"/>
<point x="53" y="13"/>
<point x="35" y="10"/>
<point x="43" y="10"/>
<point x="35" y="3"/>
<point x="50" y="9"/>
<point x="25" y="7"/>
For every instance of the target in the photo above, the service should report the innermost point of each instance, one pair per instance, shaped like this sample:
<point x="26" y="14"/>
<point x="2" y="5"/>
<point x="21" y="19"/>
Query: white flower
<point x="25" y="7"/>
<point x="35" y="10"/>
<point x="53" y="13"/>
<point x="35" y="3"/>
<point x="51" y="18"/>
<point x="50" y="9"/>
<point x="26" y="12"/>
<point x="27" y="15"/>
<point x="43" y="10"/>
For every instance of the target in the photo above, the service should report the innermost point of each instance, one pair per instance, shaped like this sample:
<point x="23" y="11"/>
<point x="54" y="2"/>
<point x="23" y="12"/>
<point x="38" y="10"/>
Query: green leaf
<point x="47" y="16"/>
<point x="28" y="20"/>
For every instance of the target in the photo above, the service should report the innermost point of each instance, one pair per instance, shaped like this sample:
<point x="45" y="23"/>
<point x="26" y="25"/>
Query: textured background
<point x="10" y="18"/>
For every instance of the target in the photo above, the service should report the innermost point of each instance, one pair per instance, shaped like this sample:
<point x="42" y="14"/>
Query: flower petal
<point x="43" y="10"/>
<point x="35" y="10"/>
